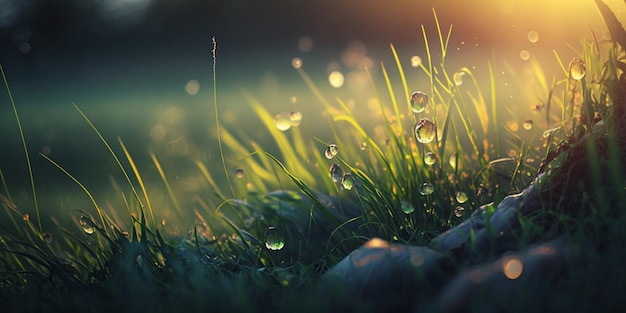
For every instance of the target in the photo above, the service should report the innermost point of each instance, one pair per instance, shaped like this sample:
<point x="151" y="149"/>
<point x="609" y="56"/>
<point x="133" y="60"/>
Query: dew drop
<point x="347" y="181"/>
<point x="87" y="224"/>
<point x="426" y="189"/>
<point x="425" y="130"/>
<point x="458" y="78"/>
<point x="528" y="124"/>
<point x="406" y="207"/>
<point x="239" y="173"/>
<point x="274" y="240"/>
<point x="296" y="118"/>
<point x="26" y="217"/>
<point x="461" y="197"/>
<point x="430" y="158"/>
<point x="331" y="151"/>
<point x="363" y="145"/>
<point x="419" y="100"/>
<point x="452" y="160"/>
<point x="336" y="173"/>
<point x="577" y="69"/>
<point x="283" y="121"/>
<point x="459" y="211"/>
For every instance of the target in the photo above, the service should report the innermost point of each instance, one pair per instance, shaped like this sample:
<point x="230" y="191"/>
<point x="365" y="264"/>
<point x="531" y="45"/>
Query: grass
<point x="223" y="262"/>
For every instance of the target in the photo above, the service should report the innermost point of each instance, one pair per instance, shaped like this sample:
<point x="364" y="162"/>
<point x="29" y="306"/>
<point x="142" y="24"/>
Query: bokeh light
<point x="513" y="268"/>
<point x="533" y="36"/>
<point x="192" y="87"/>
<point x="296" y="62"/>
<point x="336" y="79"/>
<point x="524" y="55"/>
<point x="305" y="44"/>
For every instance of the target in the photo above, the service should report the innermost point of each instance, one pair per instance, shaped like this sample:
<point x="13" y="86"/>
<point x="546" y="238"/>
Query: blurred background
<point x="143" y="70"/>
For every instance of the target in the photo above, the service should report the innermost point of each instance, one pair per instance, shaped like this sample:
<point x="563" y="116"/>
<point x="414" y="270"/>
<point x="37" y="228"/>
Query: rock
<point x="487" y="231"/>
<point x="389" y="274"/>
<point x="521" y="281"/>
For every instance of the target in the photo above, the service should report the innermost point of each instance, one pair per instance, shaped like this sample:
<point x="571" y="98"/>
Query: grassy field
<point x="288" y="213"/>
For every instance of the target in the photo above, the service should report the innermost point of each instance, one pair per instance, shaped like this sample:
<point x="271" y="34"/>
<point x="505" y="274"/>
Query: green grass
<point x="222" y="263"/>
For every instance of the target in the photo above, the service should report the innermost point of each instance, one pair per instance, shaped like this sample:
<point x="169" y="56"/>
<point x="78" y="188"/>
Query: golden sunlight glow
<point x="376" y="243"/>
<point x="513" y="268"/>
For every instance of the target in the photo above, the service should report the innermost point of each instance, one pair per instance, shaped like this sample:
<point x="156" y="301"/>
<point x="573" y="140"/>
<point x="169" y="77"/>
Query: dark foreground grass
<point x="225" y="263"/>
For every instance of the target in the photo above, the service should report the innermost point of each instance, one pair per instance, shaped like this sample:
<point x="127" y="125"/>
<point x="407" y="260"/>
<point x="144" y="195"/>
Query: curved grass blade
<point x="25" y="148"/>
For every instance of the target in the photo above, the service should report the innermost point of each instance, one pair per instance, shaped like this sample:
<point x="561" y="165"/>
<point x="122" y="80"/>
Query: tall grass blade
<point x="217" y="118"/>
<point x="113" y="154"/>
<point x="93" y="200"/>
<point x="25" y="147"/>
<point x="138" y="177"/>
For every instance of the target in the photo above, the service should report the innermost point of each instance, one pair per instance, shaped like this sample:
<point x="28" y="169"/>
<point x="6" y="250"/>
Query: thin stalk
<point x="217" y="118"/>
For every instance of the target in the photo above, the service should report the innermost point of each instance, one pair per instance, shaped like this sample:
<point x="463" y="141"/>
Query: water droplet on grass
<point x="274" y="239"/>
<point x="283" y="121"/>
<point x="425" y="130"/>
<point x="426" y="189"/>
<point x="87" y="224"/>
<point x="452" y="160"/>
<point x="296" y="118"/>
<point x="577" y="69"/>
<point x="459" y="211"/>
<point x="347" y="181"/>
<point x="461" y="197"/>
<point x="419" y="100"/>
<point x="26" y="217"/>
<point x="336" y="173"/>
<point x="363" y="145"/>
<point x="528" y="124"/>
<point x="430" y="158"/>
<point x="331" y="151"/>
<point x="239" y="173"/>
<point x="406" y="207"/>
